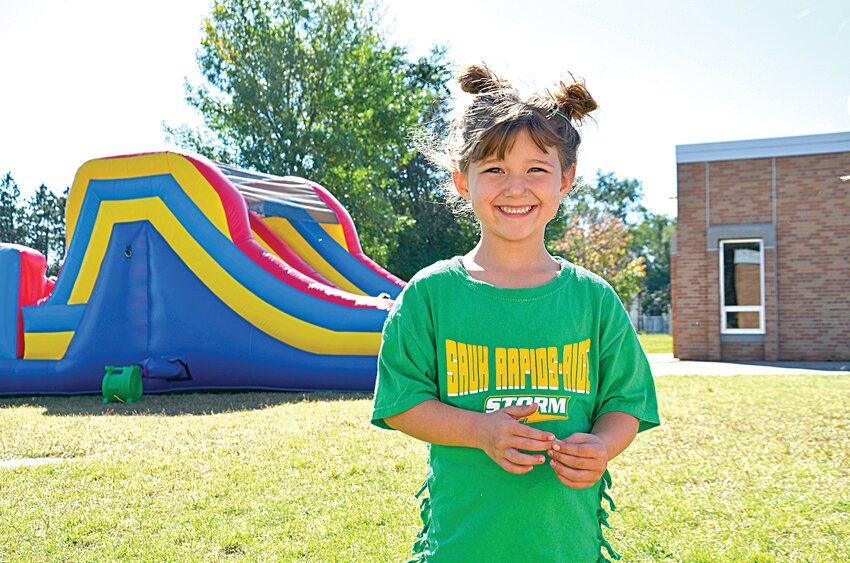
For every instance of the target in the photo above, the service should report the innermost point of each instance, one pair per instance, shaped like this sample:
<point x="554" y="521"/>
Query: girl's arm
<point x="580" y="460"/>
<point x="499" y="434"/>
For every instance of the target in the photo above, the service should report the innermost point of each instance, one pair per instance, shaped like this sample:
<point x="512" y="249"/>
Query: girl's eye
<point x="536" y="169"/>
<point x="493" y="170"/>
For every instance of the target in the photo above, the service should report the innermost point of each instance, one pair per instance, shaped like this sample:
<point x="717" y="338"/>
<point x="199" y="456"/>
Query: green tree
<point x="652" y="241"/>
<point x="11" y="217"/>
<point x="44" y="223"/>
<point x="608" y="195"/>
<point x="602" y="246"/>
<point x="311" y="88"/>
<point x="57" y="239"/>
<point x="592" y="202"/>
<point x="595" y="229"/>
<point x="431" y="230"/>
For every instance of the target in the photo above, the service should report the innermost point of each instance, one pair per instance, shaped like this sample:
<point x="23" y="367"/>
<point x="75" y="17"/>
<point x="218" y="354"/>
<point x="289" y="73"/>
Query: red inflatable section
<point x="33" y="285"/>
<point x="350" y="233"/>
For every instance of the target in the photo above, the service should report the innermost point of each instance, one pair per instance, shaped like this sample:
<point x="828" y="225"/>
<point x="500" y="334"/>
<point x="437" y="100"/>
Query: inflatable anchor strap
<point x="168" y="369"/>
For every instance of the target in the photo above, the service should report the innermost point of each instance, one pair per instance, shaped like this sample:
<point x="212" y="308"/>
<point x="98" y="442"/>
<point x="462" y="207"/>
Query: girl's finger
<point x="515" y="468"/>
<point x="520" y="458"/>
<point x="575" y="475"/>
<point x="527" y="431"/>
<point x="578" y="450"/>
<point x="530" y="445"/>
<point x="574" y="461"/>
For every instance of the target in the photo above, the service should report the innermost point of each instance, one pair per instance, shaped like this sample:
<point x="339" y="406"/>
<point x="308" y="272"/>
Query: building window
<point x="742" y="286"/>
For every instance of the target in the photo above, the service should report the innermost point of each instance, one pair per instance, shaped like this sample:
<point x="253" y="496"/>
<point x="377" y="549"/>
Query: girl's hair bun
<point x="573" y="99"/>
<point x="478" y="79"/>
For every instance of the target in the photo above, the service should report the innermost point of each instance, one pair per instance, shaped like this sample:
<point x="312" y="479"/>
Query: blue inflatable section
<point x="10" y="265"/>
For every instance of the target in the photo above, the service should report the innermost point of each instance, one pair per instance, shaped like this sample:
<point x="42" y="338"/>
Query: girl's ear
<point x="461" y="185"/>
<point x="567" y="179"/>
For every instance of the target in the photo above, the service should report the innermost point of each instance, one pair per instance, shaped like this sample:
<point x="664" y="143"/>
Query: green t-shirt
<point x="568" y="346"/>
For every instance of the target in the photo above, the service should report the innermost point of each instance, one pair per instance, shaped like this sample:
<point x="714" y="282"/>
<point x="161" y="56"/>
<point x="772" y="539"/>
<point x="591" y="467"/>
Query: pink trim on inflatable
<point x="231" y="200"/>
<point x="350" y="232"/>
<point x="282" y="249"/>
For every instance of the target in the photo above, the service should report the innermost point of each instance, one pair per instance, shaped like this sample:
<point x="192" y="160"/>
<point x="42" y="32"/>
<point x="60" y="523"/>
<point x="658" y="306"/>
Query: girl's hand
<point x="501" y="436"/>
<point x="579" y="460"/>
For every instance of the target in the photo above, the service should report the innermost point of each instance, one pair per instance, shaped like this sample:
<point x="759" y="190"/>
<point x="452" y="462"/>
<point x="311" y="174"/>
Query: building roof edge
<point x="764" y="148"/>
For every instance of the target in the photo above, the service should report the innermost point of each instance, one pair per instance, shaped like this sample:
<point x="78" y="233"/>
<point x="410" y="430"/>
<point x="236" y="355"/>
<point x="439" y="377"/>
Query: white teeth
<point x="516" y="210"/>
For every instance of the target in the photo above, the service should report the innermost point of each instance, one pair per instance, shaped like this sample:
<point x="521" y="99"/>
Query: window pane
<point x="742" y="320"/>
<point x="742" y="273"/>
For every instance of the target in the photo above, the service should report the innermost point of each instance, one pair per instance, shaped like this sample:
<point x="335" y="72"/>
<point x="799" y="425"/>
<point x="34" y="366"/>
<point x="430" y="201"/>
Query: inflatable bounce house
<point x="202" y="276"/>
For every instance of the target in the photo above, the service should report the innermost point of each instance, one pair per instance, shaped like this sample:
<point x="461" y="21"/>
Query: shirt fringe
<point x="421" y="546"/>
<point x="602" y="516"/>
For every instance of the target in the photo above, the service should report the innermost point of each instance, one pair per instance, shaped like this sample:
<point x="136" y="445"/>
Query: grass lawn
<point x="656" y="343"/>
<point x="743" y="469"/>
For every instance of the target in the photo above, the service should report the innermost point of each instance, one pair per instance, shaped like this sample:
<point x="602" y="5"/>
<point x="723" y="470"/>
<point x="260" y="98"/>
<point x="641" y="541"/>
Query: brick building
<point x="761" y="256"/>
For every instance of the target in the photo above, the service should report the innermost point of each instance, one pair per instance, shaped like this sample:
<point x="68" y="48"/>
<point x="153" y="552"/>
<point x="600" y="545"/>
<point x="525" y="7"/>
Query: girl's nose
<point x="515" y="186"/>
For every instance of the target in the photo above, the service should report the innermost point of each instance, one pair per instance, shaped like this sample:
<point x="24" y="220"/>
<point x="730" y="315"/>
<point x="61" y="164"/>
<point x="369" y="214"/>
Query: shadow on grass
<point x="173" y="404"/>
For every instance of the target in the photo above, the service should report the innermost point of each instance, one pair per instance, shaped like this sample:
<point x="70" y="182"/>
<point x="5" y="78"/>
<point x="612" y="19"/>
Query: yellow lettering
<point x="584" y="379"/>
<point x="501" y="369"/>
<point x="463" y="369"/>
<point x="483" y="371"/>
<point x="513" y="368"/>
<point x="472" y="351"/>
<point x="576" y="367"/>
<point x="569" y="372"/>
<point x="451" y="368"/>
<point x="553" y="367"/>
<point x="525" y="367"/>
<point x="542" y="367"/>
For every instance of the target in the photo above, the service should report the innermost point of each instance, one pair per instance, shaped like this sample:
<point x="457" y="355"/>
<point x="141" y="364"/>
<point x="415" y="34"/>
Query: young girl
<point x="520" y="369"/>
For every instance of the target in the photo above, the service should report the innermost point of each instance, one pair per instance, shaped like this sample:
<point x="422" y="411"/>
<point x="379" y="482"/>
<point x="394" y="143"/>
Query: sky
<point x="83" y="79"/>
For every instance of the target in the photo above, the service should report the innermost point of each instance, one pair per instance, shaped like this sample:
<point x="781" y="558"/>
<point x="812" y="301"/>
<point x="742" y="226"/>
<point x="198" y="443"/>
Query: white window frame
<point x="741" y="308"/>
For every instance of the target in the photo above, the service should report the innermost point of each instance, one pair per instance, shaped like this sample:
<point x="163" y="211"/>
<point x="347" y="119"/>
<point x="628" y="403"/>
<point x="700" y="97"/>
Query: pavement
<point x="666" y="364"/>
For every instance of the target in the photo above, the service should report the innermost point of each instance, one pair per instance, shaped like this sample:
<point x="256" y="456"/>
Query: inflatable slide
<point x="203" y="275"/>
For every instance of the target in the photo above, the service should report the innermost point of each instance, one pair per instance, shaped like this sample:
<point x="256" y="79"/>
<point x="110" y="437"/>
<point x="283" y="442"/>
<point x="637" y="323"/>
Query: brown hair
<point x="497" y="113"/>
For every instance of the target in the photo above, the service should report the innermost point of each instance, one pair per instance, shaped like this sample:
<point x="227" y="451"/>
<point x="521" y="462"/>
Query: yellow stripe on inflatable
<point x="271" y="320"/>
<point x="182" y="170"/>
<point x="336" y="233"/>
<point x="46" y="345"/>
<point x="284" y="229"/>
<point x="263" y="243"/>
<point x="131" y="210"/>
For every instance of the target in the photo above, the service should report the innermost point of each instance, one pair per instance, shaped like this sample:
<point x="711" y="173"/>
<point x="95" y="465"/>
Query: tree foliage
<point x="602" y="246"/>
<point x="11" y="216"/>
<point x="652" y="241"/>
<point x="594" y="231"/>
<point x="45" y="225"/>
<point x="607" y="195"/>
<point x="431" y="231"/>
<point x="38" y="222"/>
<point x="311" y="88"/>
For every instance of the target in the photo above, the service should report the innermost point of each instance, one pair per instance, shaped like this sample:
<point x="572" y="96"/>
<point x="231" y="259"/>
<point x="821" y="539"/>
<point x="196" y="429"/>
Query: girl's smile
<point x="516" y="210"/>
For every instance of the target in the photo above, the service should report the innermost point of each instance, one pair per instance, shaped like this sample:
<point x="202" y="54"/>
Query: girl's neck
<point x="527" y="267"/>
